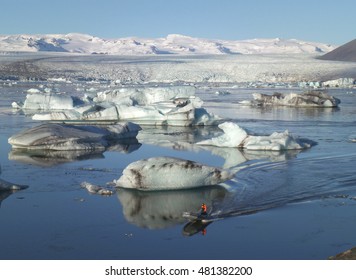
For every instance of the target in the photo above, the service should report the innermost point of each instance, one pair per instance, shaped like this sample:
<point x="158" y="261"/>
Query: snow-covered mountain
<point x="172" y="44"/>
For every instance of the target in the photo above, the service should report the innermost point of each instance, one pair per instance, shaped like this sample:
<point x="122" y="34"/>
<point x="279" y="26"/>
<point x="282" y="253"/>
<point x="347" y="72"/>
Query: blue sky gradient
<point x="324" y="21"/>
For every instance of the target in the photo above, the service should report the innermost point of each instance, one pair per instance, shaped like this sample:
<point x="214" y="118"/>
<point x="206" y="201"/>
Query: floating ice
<point x="63" y="137"/>
<point x="341" y="82"/>
<point x="45" y="101"/>
<point x="95" y="189"/>
<point x="167" y="173"/>
<point x="145" y="95"/>
<point x="180" y="111"/>
<point x="307" y="99"/>
<point x="235" y="136"/>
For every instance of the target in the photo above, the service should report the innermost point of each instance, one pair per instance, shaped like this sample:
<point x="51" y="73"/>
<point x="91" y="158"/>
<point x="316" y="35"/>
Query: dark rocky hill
<point x="346" y="52"/>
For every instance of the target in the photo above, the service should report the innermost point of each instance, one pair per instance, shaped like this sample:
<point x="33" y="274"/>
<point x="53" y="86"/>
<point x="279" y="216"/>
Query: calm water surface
<point x="295" y="205"/>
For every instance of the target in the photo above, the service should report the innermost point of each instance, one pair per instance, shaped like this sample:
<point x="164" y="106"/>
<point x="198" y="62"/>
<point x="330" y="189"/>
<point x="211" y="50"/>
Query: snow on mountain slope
<point x="172" y="44"/>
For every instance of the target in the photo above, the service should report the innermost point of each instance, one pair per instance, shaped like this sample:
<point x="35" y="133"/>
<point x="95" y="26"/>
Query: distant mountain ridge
<point x="346" y="52"/>
<point x="172" y="44"/>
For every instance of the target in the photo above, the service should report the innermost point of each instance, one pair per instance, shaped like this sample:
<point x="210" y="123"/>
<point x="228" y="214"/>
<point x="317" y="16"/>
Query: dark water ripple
<point x="273" y="184"/>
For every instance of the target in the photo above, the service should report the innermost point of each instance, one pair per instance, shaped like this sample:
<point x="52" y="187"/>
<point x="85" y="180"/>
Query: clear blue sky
<point x="327" y="21"/>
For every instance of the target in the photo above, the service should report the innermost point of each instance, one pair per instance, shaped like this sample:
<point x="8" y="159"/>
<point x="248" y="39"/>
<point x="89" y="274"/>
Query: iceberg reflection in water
<point x="163" y="209"/>
<point x="52" y="158"/>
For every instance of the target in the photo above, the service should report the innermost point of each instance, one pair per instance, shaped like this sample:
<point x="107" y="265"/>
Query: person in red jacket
<point x="204" y="210"/>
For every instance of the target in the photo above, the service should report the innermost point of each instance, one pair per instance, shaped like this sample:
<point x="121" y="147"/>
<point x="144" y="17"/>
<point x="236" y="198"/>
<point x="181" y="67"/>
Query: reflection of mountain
<point x="51" y="158"/>
<point x="162" y="209"/>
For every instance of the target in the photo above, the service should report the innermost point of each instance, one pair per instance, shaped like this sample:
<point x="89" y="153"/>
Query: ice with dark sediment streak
<point x="62" y="137"/>
<point x="306" y="99"/>
<point x="168" y="173"/>
<point x="235" y="136"/>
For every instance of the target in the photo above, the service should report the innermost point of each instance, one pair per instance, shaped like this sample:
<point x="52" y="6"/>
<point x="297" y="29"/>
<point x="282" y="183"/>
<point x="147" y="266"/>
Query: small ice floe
<point x="33" y="90"/>
<point x="235" y="136"/>
<point x="167" y="173"/>
<point x="222" y="92"/>
<point x="95" y="189"/>
<point x="307" y="99"/>
<point x="62" y="137"/>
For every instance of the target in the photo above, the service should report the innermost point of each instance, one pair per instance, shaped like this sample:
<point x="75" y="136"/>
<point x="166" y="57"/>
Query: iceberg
<point x="341" y="82"/>
<point x="235" y="136"/>
<point x="37" y="101"/>
<point x="170" y="105"/>
<point x="62" y="137"/>
<point x="144" y="95"/>
<point x="95" y="189"/>
<point x="307" y="99"/>
<point x="167" y="173"/>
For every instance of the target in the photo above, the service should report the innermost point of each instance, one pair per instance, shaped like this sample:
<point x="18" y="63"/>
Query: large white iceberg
<point x="167" y="173"/>
<point x="175" y="105"/>
<point x="144" y="95"/>
<point x="62" y="137"/>
<point x="189" y="113"/>
<point x="235" y="136"/>
<point x="307" y="99"/>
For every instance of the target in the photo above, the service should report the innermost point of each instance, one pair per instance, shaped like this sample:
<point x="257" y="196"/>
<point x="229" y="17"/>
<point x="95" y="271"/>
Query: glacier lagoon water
<point x="295" y="205"/>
